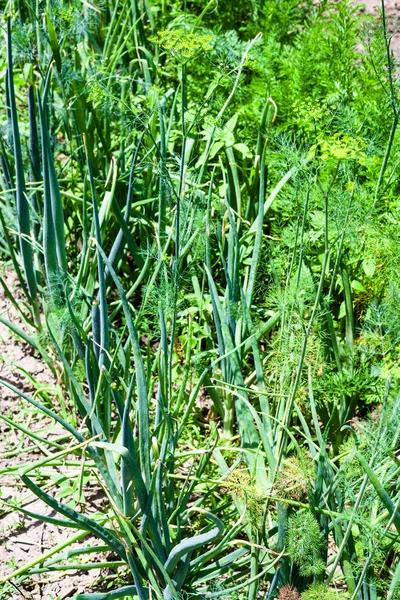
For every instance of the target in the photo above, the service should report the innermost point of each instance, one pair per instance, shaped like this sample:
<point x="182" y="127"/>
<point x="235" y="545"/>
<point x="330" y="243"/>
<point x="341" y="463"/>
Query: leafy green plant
<point x="305" y="543"/>
<point x="195" y="207"/>
<point x="322" y="592"/>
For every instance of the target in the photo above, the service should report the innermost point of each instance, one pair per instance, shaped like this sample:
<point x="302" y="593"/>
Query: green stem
<point x="386" y="157"/>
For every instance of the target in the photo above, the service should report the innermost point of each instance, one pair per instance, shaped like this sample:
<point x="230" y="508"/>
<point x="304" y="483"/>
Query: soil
<point x="392" y="11"/>
<point x="374" y="6"/>
<point x="23" y="539"/>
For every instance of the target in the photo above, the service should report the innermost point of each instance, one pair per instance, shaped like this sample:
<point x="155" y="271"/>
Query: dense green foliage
<point x="201" y="203"/>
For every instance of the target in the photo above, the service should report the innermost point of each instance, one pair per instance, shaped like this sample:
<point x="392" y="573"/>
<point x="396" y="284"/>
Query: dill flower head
<point x="241" y="487"/>
<point x="182" y="44"/>
<point x="294" y="479"/>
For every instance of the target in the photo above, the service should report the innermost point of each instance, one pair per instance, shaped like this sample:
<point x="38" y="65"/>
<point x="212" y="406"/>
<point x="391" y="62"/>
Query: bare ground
<point x="392" y="11"/>
<point x="23" y="539"/>
<point x="373" y="6"/>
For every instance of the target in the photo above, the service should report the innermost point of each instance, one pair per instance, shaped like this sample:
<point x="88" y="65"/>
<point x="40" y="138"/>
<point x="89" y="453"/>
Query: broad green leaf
<point x="369" y="266"/>
<point x="357" y="286"/>
<point x="243" y="149"/>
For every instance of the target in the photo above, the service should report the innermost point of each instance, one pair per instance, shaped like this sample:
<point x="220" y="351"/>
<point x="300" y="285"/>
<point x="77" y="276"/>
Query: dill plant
<point x="305" y="543"/>
<point x="219" y="187"/>
<point x="294" y="479"/>
<point x="241" y="488"/>
<point x="322" y="592"/>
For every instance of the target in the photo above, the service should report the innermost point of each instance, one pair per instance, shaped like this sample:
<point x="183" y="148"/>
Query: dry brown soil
<point x="392" y="10"/>
<point x="373" y="6"/>
<point x="23" y="539"/>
